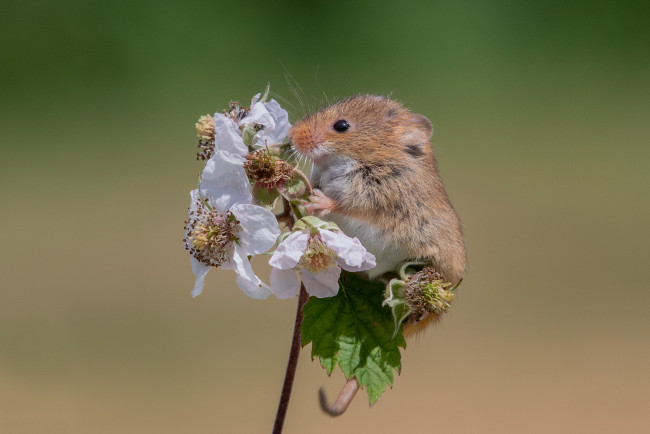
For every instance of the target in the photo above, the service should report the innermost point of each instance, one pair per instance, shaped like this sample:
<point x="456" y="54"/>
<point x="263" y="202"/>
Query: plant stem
<point x="291" y="365"/>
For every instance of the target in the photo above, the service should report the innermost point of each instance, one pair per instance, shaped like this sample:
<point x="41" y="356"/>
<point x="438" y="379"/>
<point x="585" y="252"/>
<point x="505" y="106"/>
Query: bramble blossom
<point x="317" y="256"/>
<point x="265" y="123"/>
<point x="224" y="228"/>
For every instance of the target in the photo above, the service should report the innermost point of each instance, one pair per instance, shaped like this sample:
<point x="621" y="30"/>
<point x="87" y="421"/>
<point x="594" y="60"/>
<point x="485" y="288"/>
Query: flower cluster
<point x="224" y="227"/>
<point x="229" y="222"/>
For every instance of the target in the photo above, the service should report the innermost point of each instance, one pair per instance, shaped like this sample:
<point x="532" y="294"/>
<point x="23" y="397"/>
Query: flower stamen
<point x="205" y="133"/>
<point x="318" y="256"/>
<point x="210" y="235"/>
<point x="236" y="112"/>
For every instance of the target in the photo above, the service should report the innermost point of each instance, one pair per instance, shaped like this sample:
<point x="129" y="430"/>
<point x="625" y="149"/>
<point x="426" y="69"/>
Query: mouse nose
<point x="301" y="138"/>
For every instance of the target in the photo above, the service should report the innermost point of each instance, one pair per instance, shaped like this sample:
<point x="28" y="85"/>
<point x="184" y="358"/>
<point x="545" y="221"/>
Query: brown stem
<point x="291" y="365"/>
<point x="342" y="402"/>
<point x="286" y="217"/>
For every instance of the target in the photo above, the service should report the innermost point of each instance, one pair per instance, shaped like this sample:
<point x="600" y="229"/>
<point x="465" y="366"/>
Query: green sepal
<point x="354" y="331"/>
<point x="406" y="269"/>
<point x="295" y="189"/>
<point x="265" y="197"/>
<point x="395" y="299"/>
<point x="265" y="94"/>
<point x="284" y="151"/>
<point x="248" y="134"/>
<point x="314" y="224"/>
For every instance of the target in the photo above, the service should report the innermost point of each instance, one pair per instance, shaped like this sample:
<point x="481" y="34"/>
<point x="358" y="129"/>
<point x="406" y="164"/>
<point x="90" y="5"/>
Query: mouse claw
<point x="319" y="205"/>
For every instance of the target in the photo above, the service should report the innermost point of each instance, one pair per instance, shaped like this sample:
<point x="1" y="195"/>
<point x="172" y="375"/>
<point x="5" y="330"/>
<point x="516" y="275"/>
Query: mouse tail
<point x="342" y="402"/>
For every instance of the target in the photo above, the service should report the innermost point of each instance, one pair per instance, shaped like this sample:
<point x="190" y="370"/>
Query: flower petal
<point x="226" y="136"/>
<point x="224" y="178"/>
<point x="369" y="262"/>
<point x="255" y="98"/>
<point x="281" y="128"/>
<point x="258" y="114"/>
<point x="258" y="228"/>
<point x="322" y="284"/>
<point x="290" y="251"/>
<point x="254" y="289"/>
<point x="352" y="256"/>
<point x="247" y="281"/>
<point x="284" y="283"/>
<point x="200" y="270"/>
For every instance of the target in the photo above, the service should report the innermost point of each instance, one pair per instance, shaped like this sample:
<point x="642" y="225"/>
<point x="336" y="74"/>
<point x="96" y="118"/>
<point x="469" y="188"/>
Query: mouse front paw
<point x="319" y="205"/>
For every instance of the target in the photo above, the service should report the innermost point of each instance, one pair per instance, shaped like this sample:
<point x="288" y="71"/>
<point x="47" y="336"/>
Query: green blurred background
<point x="541" y="111"/>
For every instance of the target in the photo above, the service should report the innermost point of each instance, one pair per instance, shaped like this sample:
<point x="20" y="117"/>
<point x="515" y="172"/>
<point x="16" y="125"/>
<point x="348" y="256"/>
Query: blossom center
<point x="236" y="112"/>
<point x="210" y="235"/>
<point x="317" y="257"/>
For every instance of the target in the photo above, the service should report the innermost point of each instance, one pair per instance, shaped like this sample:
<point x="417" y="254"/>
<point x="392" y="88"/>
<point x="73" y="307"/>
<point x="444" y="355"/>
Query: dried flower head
<point x="267" y="170"/>
<point x="426" y="293"/>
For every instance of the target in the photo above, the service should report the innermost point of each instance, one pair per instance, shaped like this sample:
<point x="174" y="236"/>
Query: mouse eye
<point x="341" y="126"/>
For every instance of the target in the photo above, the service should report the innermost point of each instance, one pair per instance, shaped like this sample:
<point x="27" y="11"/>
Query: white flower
<point x="318" y="257"/>
<point x="274" y="121"/>
<point x="224" y="228"/>
<point x="266" y="122"/>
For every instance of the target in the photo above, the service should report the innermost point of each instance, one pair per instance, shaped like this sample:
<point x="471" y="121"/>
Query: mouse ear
<point x="418" y="131"/>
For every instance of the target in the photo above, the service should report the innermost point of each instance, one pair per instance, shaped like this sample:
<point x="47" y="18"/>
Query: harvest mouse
<point x="376" y="177"/>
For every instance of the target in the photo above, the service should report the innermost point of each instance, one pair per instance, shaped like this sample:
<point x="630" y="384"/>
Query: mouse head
<point x="363" y="127"/>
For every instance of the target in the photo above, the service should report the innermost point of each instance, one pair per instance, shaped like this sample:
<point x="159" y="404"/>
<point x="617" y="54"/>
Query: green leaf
<point x="353" y="330"/>
<point x="264" y="196"/>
